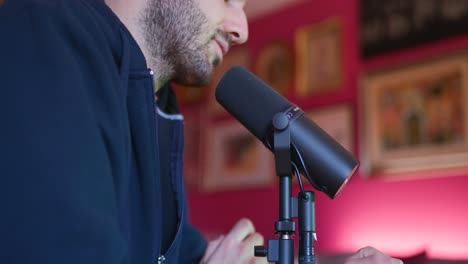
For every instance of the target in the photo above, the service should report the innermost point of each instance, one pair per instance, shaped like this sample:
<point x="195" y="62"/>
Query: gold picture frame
<point x="194" y="121"/>
<point x="416" y="118"/>
<point x="235" y="159"/>
<point x="337" y="121"/>
<point x="188" y="95"/>
<point x="275" y="66"/>
<point x="319" y="66"/>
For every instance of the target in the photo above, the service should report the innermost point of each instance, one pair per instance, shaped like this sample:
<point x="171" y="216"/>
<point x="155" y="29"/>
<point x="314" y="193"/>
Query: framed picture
<point x="337" y="121"/>
<point x="189" y="95"/>
<point x="275" y="66"/>
<point x="415" y="118"/>
<point x="236" y="57"/>
<point x="236" y="159"/>
<point x="395" y="25"/>
<point x="193" y="147"/>
<point x="319" y="58"/>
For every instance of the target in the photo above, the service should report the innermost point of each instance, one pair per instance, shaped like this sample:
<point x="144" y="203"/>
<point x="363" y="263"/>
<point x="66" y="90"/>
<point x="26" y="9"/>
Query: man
<point x="90" y="162"/>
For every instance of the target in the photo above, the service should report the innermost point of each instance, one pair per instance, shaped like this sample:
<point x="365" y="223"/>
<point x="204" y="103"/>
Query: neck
<point x="163" y="71"/>
<point x="130" y="17"/>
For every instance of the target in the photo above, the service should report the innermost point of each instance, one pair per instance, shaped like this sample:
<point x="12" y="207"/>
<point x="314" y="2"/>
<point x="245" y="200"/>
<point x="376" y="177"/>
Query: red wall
<point x="399" y="217"/>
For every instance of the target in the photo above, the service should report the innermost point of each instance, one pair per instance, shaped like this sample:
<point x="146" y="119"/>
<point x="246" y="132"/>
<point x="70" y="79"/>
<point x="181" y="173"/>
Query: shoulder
<point x="68" y="28"/>
<point x="72" y="16"/>
<point x="51" y="8"/>
<point x="68" y="48"/>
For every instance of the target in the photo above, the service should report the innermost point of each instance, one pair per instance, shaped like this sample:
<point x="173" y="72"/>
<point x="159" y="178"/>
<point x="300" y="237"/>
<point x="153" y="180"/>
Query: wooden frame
<point x="275" y="66"/>
<point x="236" y="159"/>
<point x="190" y="95"/>
<point x="416" y="117"/>
<point x="337" y="121"/>
<point x="319" y="58"/>
<point x="395" y="25"/>
<point x="194" y="122"/>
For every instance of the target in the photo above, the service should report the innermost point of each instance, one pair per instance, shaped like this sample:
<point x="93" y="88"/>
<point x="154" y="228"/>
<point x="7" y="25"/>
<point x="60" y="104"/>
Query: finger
<point x="259" y="260"/>
<point x="243" y="228"/>
<point x="246" y="251"/>
<point x="374" y="259"/>
<point x="212" y="247"/>
<point x="365" y="252"/>
<point x="255" y="239"/>
<point x="397" y="261"/>
<point x="370" y="255"/>
<point x="362" y="261"/>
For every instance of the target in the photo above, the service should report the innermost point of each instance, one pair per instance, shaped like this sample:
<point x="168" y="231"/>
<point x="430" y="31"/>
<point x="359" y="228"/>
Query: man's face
<point x="190" y="37"/>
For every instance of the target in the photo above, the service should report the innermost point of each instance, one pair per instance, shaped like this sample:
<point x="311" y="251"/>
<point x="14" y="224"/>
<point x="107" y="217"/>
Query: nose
<point x="236" y="25"/>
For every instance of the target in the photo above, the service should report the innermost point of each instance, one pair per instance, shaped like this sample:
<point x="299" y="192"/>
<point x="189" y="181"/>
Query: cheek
<point x="214" y="10"/>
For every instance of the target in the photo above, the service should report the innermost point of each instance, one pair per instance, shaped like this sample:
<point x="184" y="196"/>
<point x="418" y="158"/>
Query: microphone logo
<point x="293" y="112"/>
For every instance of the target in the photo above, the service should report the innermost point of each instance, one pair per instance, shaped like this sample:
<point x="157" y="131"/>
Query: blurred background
<point x="388" y="80"/>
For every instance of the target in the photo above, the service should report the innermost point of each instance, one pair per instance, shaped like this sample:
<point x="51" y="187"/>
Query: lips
<point x="223" y="45"/>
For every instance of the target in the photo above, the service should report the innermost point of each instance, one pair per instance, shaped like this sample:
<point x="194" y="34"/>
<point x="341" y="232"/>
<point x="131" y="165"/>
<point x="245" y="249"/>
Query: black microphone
<point x="328" y="166"/>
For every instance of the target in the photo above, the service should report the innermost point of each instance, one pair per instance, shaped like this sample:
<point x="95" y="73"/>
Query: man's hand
<point x="235" y="247"/>
<point x="370" y="255"/>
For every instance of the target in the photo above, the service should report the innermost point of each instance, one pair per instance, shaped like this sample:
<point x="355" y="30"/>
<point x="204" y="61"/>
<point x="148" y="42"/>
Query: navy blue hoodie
<point x="80" y="159"/>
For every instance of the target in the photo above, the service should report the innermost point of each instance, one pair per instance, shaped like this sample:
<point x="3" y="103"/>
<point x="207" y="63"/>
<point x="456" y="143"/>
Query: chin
<point x="195" y="80"/>
<point x="216" y="62"/>
<point x="197" y="74"/>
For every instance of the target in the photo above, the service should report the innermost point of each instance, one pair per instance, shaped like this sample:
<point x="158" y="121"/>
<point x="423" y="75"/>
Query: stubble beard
<point x="173" y="33"/>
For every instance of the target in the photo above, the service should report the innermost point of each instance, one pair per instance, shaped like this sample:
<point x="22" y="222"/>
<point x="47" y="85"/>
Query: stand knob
<point x="280" y="121"/>
<point x="260" y="251"/>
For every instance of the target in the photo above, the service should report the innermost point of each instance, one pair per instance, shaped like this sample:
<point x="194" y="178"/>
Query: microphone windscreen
<point x="250" y="100"/>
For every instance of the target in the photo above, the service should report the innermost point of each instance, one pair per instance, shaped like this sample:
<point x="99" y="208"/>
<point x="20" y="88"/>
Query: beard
<point x="175" y="34"/>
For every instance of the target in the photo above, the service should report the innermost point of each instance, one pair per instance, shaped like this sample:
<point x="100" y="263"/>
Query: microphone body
<point x="327" y="165"/>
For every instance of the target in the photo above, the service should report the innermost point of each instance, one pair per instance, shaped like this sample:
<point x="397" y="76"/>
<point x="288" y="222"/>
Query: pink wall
<point x="399" y="217"/>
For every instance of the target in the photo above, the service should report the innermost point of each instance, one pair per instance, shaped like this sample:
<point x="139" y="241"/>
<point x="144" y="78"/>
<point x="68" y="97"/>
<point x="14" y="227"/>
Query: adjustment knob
<point x="260" y="251"/>
<point x="280" y="121"/>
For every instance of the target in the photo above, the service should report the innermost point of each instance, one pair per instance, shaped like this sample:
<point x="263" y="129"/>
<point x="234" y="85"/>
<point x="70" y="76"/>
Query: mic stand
<point x="281" y="250"/>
